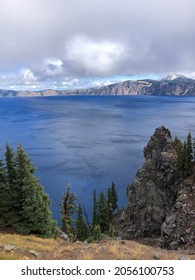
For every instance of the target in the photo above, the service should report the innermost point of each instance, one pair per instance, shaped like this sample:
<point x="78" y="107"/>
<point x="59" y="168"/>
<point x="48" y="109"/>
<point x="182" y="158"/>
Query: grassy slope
<point x="51" y="249"/>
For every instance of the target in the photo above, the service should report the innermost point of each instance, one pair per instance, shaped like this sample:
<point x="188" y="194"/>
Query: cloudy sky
<point x="83" y="43"/>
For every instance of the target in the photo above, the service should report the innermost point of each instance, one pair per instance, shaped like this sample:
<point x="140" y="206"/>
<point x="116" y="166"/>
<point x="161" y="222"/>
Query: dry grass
<point x="6" y="256"/>
<point x="85" y="256"/>
<point x="137" y="252"/>
<point x="28" y="242"/>
<point x="118" y="251"/>
<point x="59" y="249"/>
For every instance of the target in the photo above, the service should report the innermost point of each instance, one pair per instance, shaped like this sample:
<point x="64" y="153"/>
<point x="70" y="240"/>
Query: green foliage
<point x="4" y="197"/>
<point x="11" y="166"/>
<point x="103" y="211"/>
<point x="95" y="210"/>
<point x="26" y="206"/>
<point x="68" y="209"/>
<point x="82" y="230"/>
<point x="112" y="198"/>
<point x="184" y="156"/>
<point x="97" y="235"/>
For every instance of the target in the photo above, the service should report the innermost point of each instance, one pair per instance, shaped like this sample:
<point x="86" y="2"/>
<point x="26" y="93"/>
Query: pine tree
<point x="193" y="150"/>
<point x="109" y="203"/>
<point x="11" y="166"/>
<point x="82" y="230"/>
<point x="68" y="209"/>
<point x="112" y="200"/>
<point x="184" y="156"/>
<point x="5" y="195"/>
<point x="189" y="151"/>
<point x="95" y="210"/>
<point x="32" y="203"/>
<point x="103" y="213"/>
<point x="114" y="197"/>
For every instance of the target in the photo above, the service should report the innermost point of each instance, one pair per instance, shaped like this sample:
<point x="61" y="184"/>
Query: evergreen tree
<point x="3" y="177"/>
<point x="109" y="203"/>
<point x="114" y="197"/>
<point x="184" y="156"/>
<point x="189" y="151"/>
<point x="11" y="166"/>
<point x="82" y="230"/>
<point x="193" y="150"/>
<point x="68" y="209"/>
<point x="23" y="203"/>
<point x="103" y="213"/>
<point x="112" y="200"/>
<point x="5" y="195"/>
<point x="95" y="210"/>
<point x="32" y="204"/>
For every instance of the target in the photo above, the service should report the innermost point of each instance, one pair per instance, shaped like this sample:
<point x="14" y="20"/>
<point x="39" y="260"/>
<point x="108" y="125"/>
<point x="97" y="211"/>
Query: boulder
<point x="9" y="247"/>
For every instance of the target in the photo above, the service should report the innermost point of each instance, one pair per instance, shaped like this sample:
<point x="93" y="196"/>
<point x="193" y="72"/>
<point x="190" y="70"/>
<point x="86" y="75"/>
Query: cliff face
<point x="179" y="226"/>
<point x="177" y="85"/>
<point x="159" y="203"/>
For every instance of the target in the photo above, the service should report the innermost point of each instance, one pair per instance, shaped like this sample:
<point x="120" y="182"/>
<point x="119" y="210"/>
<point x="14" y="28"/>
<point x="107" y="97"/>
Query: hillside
<point x="19" y="247"/>
<point x="172" y="85"/>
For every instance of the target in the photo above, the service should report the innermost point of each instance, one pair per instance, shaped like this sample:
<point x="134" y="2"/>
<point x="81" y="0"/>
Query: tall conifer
<point x="68" y="209"/>
<point x="82" y="230"/>
<point x="95" y="210"/>
<point x="10" y="165"/>
<point x="103" y="213"/>
<point x="114" y="197"/>
<point x="5" y="196"/>
<point x="33" y="203"/>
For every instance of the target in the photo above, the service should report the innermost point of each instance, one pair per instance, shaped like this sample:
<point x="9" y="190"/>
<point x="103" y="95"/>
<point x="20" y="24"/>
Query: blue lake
<point x="89" y="141"/>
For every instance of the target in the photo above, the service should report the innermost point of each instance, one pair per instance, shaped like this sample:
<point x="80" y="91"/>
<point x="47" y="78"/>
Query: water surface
<point x="90" y="141"/>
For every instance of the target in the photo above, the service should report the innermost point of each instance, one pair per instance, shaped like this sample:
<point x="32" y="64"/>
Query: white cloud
<point x="54" y="62"/>
<point x="189" y="74"/>
<point x="52" y="67"/>
<point x="27" y="75"/>
<point x="94" y="57"/>
<point x="70" y="83"/>
<point x="58" y="38"/>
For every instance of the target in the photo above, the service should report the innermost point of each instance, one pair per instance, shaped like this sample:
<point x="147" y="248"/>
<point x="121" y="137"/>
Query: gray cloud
<point x="53" y="38"/>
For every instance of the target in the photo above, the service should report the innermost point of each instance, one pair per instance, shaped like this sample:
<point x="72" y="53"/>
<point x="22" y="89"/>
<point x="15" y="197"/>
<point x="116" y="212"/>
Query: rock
<point x="159" y="203"/>
<point x="85" y="242"/>
<point x="9" y="247"/>
<point x="184" y="258"/>
<point x="156" y="257"/>
<point x="173" y="245"/>
<point x="152" y="194"/>
<point x="35" y="253"/>
<point x="64" y="236"/>
<point x="174" y="85"/>
<point x="181" y="228"/>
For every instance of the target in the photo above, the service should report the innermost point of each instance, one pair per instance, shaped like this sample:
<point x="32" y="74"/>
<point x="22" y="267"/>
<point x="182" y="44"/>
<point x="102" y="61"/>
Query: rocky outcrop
<point x="178" y="230"/>
<point x="172" y="85"/>
<point x="159" y="204"/>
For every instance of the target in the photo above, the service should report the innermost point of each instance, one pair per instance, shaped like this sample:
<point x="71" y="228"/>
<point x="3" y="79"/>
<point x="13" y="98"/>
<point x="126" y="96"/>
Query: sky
<point x="64" y="44"/>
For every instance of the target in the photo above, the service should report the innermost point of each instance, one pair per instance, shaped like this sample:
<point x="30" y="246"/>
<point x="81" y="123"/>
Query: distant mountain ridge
<point x="176" y="85"/>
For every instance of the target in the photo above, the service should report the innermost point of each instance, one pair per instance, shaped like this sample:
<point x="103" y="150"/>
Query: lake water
<point x="90" y="141"/>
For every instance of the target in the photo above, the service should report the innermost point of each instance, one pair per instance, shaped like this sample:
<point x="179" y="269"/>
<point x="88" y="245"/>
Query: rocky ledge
<point x="159" y="203"/>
